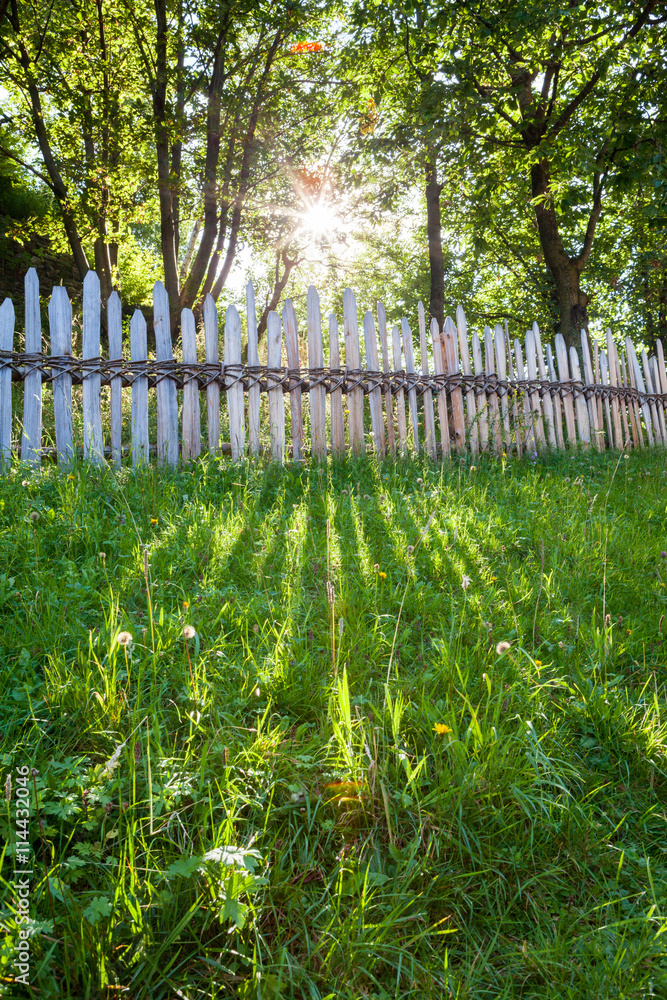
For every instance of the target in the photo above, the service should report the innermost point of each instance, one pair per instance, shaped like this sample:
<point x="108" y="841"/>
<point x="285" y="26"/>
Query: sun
<point x="319" y="219"/>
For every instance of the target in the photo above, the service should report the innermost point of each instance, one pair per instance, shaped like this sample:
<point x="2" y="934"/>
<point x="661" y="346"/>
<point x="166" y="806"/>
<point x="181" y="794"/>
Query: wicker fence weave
<point x="288" y="379"/>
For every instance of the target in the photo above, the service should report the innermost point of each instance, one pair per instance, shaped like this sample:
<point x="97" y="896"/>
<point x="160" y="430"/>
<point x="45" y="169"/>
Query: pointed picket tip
<point x="114" y="297"/>
<point x="7" y="307"/>
<point x="158" y="288"/>
<point x="461" y="318"/>
<point x="536" y="329"/>
<point x="31" y="277"/>
<point x="312" y="296"/>
<point x="91" y="281"/>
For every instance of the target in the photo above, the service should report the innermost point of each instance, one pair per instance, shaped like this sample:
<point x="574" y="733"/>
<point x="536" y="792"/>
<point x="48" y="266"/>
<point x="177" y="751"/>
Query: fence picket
<point x="593" y="415"/>
<point x="291" y="329"/>
<point x="191" y="422"/>
<point x="660" y="411"/>
<point x="401" y="421"/>
<point x="336" y="395"/>
<point x="566" y="397"/>
<point x="535" y="403"/>
<point x="501" y="361"/>
<point x="167" y="402"/>
<point x="60" y="326"/>
<point x="511" y="371"/>
<point x="495" y="432"/>
<point x="31" y="438"/>
<point x="93" y="443"/>
<point x="138" y="350"/>
<point x="604" y="380"/>
<point x="355" y="397"/>
<point x="482" y="399"/>
<point x="439" y="368"/>
<point x="276" y="404"/>
<point x="388" y="399"/>
<point x="529" y="430"/>
<point x="583" y="422"/>
<point x="547" y="401"/>
<point x="115" y="330"/>
<point x="471" y="404"/>
<point x="253" y="362"/>
<point x="318" y="396"/>
<point x="211" y="339"/>
<point x="6" y="344"/>
<point x="427" y="398"/>
<point x="375" y="395"/>
<point x="450" y="339"/>
<point x="637" y="381"/>
<point x="555" y="398"/>
<point x="648" y="379"/>
<point x="612" y="364"/>
<point x="235" y="406"/>
<point x="662" y="373"/>
<point x="408" y="353"/>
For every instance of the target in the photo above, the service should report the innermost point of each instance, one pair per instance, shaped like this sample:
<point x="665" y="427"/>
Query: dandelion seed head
<point x="189" y="632"/>
<point x="124" y="638"/>
<point x="465" y="581"/>
<point x="34" y="516"/>
<point x="410" y="549"/>
<point x="502" y="647"/>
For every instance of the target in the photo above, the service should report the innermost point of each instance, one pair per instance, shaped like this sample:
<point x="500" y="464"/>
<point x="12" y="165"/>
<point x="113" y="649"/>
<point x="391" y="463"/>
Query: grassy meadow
<point x="380" y="731"/>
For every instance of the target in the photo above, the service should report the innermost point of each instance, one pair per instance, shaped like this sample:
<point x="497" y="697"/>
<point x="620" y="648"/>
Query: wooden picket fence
<point x="489" y="394"/>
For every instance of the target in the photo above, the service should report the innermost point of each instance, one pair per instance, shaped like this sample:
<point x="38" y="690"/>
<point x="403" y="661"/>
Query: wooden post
<point x="501" y="360"/>
<point x="93" y="443"/>
<point x="31" y="440"/>
<point x="167" y="402"/>
<point x="6" y="344"/>
<point x="471" y="404"/>
<point x="293" y="361"/>
<point x="234" y="391"/>
<point x="482" y="400"/>
<point x="115" y="328"/>
<point x="276" y="404"/>
<point x="401" y="421"/>
<point x="598" y="381"/>
<point x="375" y="395"/>
<point x="191" y="444"/>
<point x="388" y="398"/>
<point x="253" y="362"/>
<point x="60" y="325"/>
<point x="140" y="443"/>
<point x="439" y="368"/>
<point x="494" y="411"/>
<point x="589" y="378"/>
<point x="213" y="388"/>
<point x="318" y="393"/>
<point x="410" y="369"/>
<point x="451" y="353"/>
<point x="556" y="399"/>
<point x="511" y="371"/>
<point x="337" y="418"/>
<point x="429" y="421"/>
<point x="535" y="403"/>
<point x="564" y="376"/>
<point x="662" y="373"/>
<point x="355" y="397"/>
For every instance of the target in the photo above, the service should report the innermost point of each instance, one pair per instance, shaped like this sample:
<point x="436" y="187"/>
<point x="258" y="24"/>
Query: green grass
<point x="256" y="812"/>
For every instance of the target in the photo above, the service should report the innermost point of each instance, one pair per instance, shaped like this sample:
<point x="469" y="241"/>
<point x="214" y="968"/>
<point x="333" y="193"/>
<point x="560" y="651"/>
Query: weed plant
<point x="338" y="731"/>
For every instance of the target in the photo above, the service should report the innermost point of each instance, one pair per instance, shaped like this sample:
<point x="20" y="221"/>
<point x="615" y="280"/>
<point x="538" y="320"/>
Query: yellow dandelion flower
<point x="383" y="576"/>
<point x="186" y="605"/>
<point x="154" y="520"/>
<point x="71" y="478"/>
<point x="440" y="728"/>
<point x="494" y="579"/>
<point x="538" y="663"/>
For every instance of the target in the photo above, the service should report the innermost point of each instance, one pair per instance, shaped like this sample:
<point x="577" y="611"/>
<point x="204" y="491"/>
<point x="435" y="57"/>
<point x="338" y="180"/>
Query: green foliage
<point x="392" y="807"/>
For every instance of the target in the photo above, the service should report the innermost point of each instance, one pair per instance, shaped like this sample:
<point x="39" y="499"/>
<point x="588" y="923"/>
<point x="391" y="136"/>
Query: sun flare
<point x="319" y="219"/>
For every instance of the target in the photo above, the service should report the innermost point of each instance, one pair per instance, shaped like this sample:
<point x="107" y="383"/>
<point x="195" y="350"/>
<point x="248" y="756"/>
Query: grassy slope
<point x="520" y="855"/>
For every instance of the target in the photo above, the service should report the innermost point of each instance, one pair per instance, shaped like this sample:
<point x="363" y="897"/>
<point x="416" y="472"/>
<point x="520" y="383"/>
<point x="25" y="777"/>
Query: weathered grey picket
<point x="488" y="394"/>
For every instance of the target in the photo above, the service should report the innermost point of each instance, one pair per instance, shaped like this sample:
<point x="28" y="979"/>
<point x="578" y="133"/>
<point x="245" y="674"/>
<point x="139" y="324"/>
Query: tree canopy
<point x="503" y="155"/>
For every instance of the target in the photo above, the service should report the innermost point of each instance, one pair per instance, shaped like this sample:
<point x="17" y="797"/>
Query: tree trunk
<point x="434" y="234"/>
<point x="565" y="270"/>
